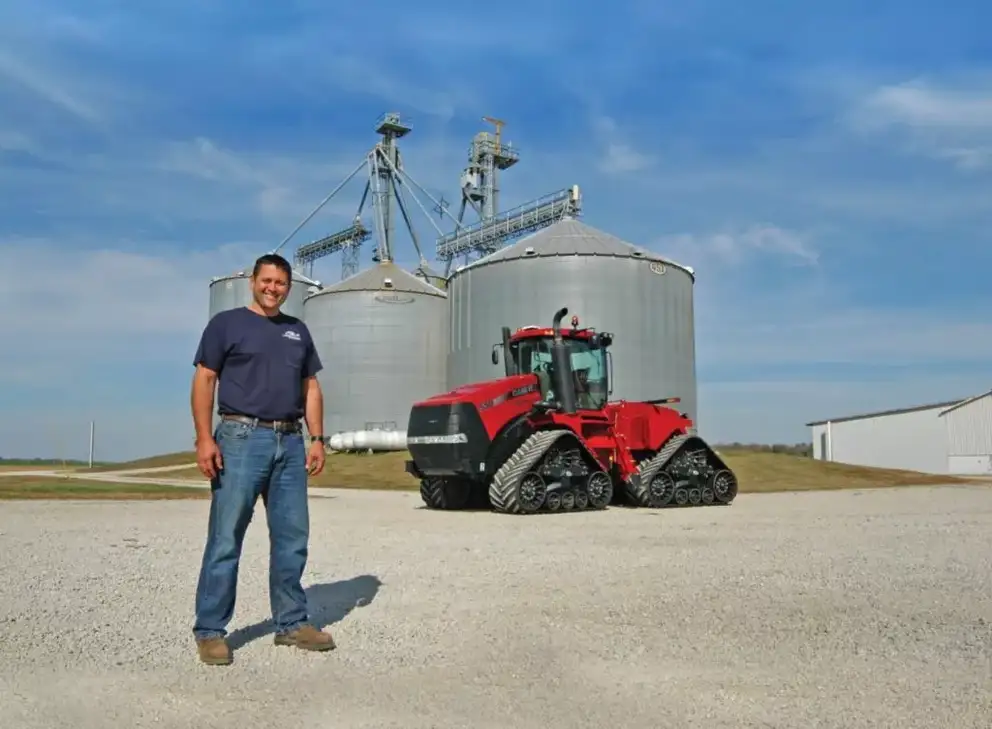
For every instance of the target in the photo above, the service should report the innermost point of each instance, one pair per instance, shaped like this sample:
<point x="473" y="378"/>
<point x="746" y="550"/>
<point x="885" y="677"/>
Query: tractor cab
<point x="572" y="365"/>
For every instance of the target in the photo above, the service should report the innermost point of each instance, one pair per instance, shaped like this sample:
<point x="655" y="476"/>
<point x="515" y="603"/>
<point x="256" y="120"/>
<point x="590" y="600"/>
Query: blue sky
<point x="825" y="167"/>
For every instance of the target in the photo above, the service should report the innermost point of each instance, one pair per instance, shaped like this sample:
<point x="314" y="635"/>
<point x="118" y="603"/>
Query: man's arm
<point x="202" y="401"/>
<point x="313" y="397"/>
<point x="314" y="413"/>
<point x="209" y="361"/>
<point x="313" y="406"/>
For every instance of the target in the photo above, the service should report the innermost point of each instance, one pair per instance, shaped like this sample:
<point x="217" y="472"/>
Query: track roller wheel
<point x="695" y="497"/>
<point x="662" y="489"/>
<point x="567" y="500"/>
<point x="707" y="495"/>
<point x="655" y="495"/>
<point x="724" y="485"/>
<point x="532" y="492"/>
<point x="553" y="502"/>
<point x="581" y="500"/>
<point x="681" y="497"/>
<point x="599" y="488"/>
<point x="444" y="493"/>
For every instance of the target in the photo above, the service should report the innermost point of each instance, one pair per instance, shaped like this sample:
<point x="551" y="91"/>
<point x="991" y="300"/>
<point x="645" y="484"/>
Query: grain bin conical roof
<point x="570" y="237"/>
<point x="386" y="276"/>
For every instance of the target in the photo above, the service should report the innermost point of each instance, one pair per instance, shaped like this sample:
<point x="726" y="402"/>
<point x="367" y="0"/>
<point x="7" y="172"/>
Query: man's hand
<point x="208" y="458"/>
<point x="315" y="458"/>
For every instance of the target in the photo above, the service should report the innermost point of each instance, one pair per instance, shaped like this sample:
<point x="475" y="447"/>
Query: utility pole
<point x="92" y="433"/>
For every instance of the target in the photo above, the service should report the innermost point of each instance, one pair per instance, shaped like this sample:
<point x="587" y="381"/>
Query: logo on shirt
<point x="291" y="335"/>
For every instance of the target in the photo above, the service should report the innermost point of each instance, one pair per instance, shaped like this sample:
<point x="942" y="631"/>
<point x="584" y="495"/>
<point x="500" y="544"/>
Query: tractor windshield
<point x="589" y="371"/>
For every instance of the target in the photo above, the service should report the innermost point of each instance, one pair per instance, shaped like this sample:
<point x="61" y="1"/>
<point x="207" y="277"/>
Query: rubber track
<point x="435" y="493"/>
<point x="503" y="488"/>
<point x="649" y="469"/>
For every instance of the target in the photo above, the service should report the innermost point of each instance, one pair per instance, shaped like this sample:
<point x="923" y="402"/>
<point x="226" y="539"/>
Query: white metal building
<point x="968" y="429"/>
<point x="913" y="439"/>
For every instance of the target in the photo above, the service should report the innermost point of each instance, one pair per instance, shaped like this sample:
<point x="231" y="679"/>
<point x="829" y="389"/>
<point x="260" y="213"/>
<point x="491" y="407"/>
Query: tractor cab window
<point x="589" y="374"/>
<point x="589" y="370"/>
<point x="534" y="356"/>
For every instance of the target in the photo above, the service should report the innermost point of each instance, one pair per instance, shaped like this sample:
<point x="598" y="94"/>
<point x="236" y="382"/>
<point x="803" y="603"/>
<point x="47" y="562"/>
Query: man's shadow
<point x="328" y="604"/>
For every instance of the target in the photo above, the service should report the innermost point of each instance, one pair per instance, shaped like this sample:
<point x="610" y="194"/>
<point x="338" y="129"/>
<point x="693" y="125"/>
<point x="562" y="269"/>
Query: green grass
<point x="376" y="471"/>
<point x="42" y="464"/>
<point x="4" y="467"/>
<point x="14" y="488"/>
<point x="167" y="459"/>
<point x="757" y="472"/>
<point x="763" y="472"/>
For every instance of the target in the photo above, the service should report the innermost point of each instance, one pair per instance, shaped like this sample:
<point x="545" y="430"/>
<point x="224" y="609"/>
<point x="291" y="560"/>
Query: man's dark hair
<point x="276" y="260"/>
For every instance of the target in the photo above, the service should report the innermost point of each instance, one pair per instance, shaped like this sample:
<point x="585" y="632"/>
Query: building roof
<point x="881" y="413"/>
<point x="569" y="237"/>
<point x="375" y="279"/>
<point x="964" y="402"/>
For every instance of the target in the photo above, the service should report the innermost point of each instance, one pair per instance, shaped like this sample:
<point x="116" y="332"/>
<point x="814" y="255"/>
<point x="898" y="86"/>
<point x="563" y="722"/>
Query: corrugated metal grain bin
<point x="381" y="335"/>
<point x="641" y="297"/>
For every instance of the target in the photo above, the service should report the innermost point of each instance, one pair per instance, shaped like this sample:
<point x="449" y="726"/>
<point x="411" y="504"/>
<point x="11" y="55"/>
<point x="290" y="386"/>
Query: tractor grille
<point x="447" y="439"/>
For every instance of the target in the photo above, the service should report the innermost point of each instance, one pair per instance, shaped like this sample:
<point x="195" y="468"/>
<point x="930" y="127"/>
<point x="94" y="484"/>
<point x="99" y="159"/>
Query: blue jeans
<point x="257" y="462"/>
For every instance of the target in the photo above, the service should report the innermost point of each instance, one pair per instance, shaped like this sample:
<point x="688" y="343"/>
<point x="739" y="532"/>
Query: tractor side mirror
<point x="495" y="355"/>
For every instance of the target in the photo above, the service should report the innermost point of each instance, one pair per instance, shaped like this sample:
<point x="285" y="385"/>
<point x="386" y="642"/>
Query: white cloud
<point x="15" y="141"/>
<point x="172" y="189"/>
<point x="619" y="157"/>
<point x="949" y="120"/>
<point x="766" y="308"/>
<point x="104" y="334"/>
<point x="14" y="69"/>
<point x="281" y="187"/>
<point x="923" y="104"/>
<point x="732" y="247"/>
<point x="103" y="299"/>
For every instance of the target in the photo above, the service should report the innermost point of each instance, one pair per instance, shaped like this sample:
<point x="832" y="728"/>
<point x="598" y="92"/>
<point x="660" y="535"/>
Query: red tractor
<point x="546" y="437"/>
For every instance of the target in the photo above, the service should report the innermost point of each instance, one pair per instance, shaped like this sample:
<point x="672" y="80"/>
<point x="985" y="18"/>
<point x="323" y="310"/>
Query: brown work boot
<point x="214" y="651"/>
<point x="308" y="638"/>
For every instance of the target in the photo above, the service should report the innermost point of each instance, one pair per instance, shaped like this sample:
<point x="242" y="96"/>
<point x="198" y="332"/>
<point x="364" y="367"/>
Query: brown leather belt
<point x="282" y="426"/>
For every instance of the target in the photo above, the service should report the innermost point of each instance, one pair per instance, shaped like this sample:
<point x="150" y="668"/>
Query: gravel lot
<point x="858" y="609"/>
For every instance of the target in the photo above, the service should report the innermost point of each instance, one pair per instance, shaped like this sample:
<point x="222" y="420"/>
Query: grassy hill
<point x="183" y="458"/>
<point x="49" y="488"/>
<point x="757" y="471"/>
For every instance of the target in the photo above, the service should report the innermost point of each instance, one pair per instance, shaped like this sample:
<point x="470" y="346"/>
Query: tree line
<point x="795" y="449"/>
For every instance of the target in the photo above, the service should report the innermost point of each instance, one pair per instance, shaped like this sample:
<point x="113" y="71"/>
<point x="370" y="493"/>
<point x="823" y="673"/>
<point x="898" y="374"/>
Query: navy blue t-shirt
<point x="261" y="361"/>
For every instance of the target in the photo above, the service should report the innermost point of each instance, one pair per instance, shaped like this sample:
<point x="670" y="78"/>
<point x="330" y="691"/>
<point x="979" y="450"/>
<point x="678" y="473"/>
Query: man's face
<point x="270" y="287"/>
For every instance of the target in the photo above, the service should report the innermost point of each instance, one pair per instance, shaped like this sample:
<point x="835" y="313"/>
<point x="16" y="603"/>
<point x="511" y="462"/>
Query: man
<point x="266" y="366"/>
<point x="583" y="397"/>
